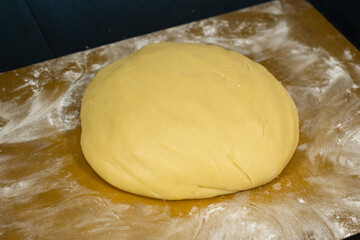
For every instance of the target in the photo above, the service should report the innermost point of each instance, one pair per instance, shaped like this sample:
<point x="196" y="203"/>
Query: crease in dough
<point x="233" y="161"/>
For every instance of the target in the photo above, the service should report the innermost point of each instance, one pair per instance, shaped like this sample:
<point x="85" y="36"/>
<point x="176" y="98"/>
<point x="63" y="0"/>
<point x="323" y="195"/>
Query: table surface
<point x="47" y="189"/>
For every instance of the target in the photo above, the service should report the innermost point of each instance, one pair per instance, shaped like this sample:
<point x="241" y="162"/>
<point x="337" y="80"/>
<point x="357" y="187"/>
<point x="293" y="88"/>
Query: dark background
<point x="32" y="31"/>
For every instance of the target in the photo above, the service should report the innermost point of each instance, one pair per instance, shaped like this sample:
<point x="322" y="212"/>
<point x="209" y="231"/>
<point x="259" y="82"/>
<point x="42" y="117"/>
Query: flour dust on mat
<point x="317" y="196"/>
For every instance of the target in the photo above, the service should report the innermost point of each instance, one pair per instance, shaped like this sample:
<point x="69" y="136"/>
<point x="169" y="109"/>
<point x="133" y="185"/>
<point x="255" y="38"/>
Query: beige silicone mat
<point x="48" y="191"/>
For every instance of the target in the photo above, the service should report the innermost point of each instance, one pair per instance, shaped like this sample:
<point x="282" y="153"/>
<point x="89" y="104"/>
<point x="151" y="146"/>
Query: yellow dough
<point x="187" y="121"/>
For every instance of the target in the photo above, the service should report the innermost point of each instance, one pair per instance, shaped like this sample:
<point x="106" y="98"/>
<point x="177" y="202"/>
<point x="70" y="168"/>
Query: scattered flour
<point x="48" y="110"/>
<point x="347" y="55"/>
<point x="277" y="186"/>
<point x="46" y="103"/>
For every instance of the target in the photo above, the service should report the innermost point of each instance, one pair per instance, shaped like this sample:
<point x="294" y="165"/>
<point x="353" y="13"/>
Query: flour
<point x="277" y="186"/>
<point x="219" y="221"/>
<point x="45" y="112"/>
<point x="41" y="172"/>
<point x="209" y="30"/>
<point x="356" y="137"/>
<point x="300" y="200"/>
<point x="347" y="55"/>
<point x="335" y="71"/>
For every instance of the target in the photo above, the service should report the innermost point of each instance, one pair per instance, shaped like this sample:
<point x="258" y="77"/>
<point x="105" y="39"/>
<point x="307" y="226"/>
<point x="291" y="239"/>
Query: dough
<point x="187" y="121"/>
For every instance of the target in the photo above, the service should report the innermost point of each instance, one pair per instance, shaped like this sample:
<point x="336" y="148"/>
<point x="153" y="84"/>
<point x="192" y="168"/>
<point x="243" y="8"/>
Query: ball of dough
<point x="187" y="121"/>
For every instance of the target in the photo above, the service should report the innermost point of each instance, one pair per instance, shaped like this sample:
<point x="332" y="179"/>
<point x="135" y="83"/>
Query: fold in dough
<point x="187" y="121"/>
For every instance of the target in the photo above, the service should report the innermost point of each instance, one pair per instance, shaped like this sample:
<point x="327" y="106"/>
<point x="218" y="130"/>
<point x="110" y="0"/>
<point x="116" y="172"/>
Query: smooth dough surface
<point x="187" y="121"/>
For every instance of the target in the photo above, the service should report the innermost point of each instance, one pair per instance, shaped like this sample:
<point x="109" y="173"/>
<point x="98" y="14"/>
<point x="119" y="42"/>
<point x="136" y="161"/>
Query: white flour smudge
<point x="347" y="55"/>
<point x="46" y="111"/>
